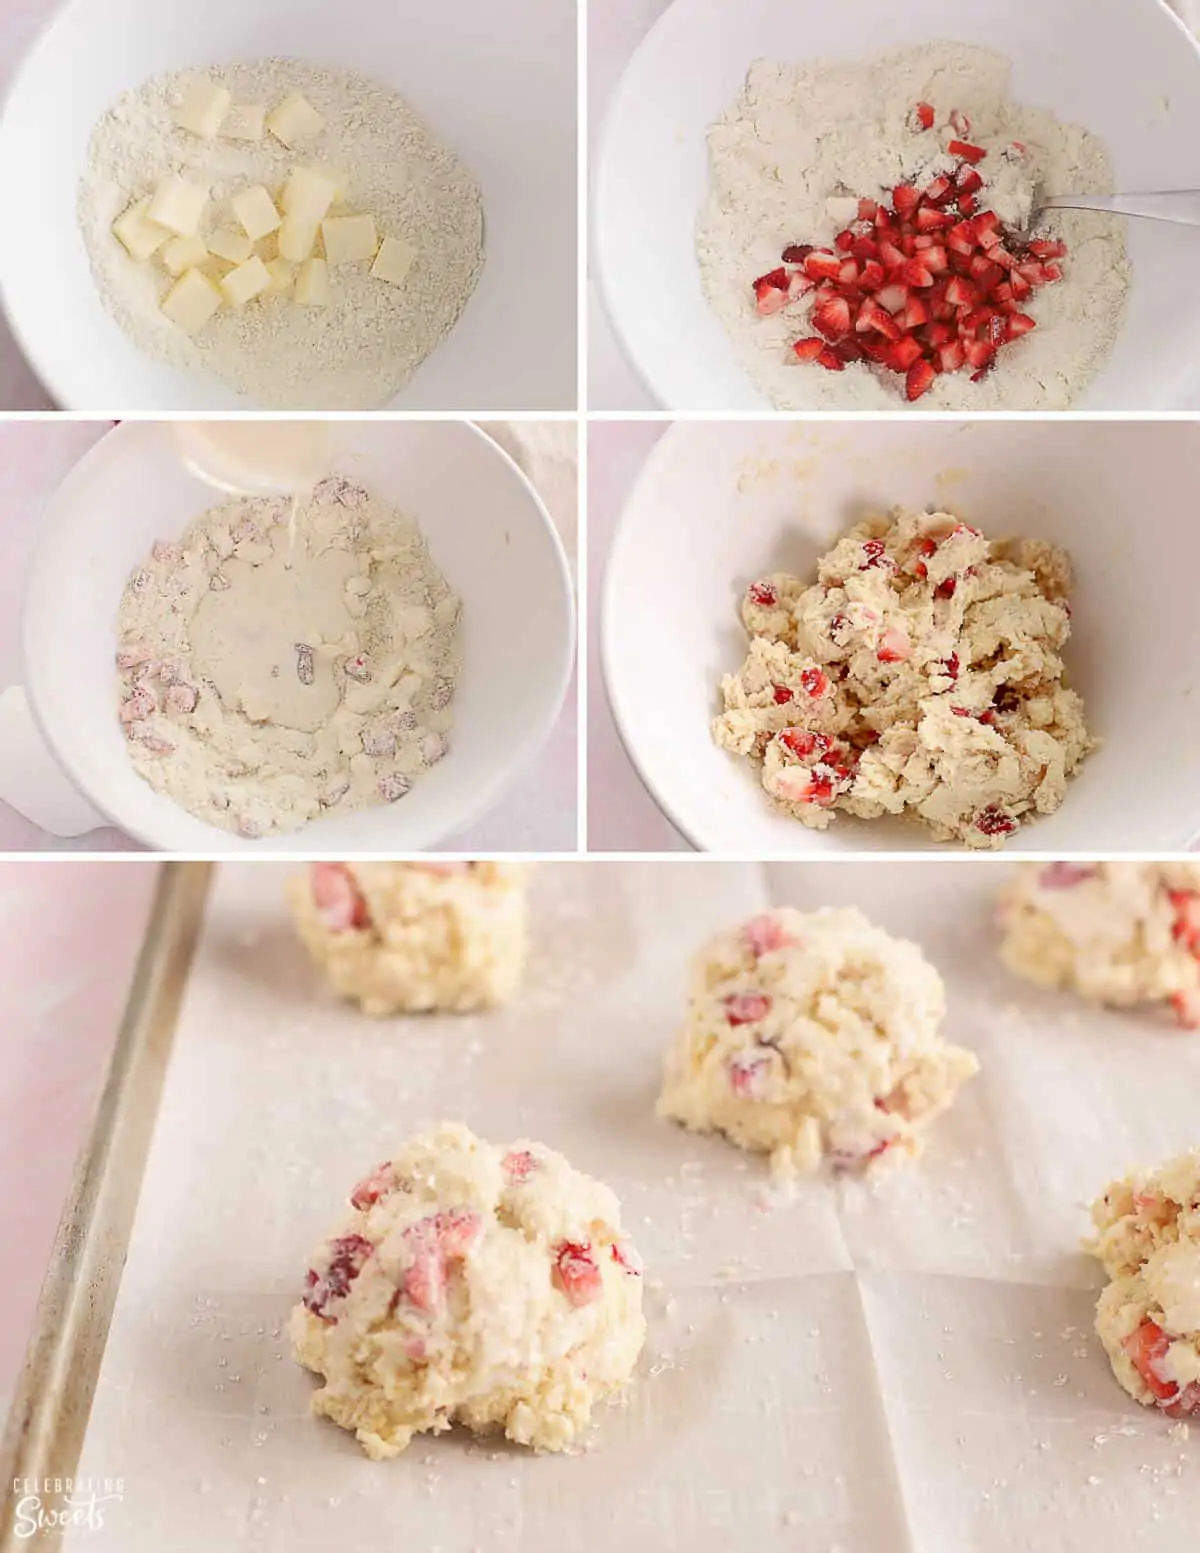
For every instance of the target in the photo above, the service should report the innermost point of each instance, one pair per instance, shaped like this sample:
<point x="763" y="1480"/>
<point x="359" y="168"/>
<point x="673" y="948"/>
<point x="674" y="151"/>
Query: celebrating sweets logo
<point x="59" y="1504"/>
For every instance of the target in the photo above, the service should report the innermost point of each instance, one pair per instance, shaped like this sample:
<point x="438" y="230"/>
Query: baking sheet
<point x="908" y="1365"/>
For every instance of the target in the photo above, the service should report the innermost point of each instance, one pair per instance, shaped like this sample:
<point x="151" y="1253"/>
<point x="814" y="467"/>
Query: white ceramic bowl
<point x="487" y="531"/>
<point x="1130" y="73"/>
<point x="497" y="82"/>
<point x="718" y="504"/>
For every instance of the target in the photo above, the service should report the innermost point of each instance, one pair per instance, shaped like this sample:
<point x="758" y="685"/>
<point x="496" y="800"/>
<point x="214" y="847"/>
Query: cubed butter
<point x="138" y="235"/>
<point x="245" y="121"/>
<point x="203" y="109"/>
<point x="178" y="204"/>
<point x="255" y="209"/>
<point x="183" y="253"/>
<point x="296" y="239"/>
<point x="191" y="301"/>
<point x="283" y="277"/>
<point x="349" y="238"/>
<point x="337" y="176"/>
<point x="393" y="261"/>
<point x="312" y="283"/>
<point x="294" y="120"/>
<point x="236" y="247"/>
<point x="247" y="281"/>
<point x="308" y="194"/>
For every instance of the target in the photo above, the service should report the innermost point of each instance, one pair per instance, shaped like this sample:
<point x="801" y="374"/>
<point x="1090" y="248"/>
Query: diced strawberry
<point x="874" y="554"/>
<point x="771" y="292"/>
<point x="945" y="589"/>
<point x="848" y="274"/>
<point x="938" y="334"/>
<point x="347" y="1256"/>
<point x="960" y="292"/>
<point x="1040" y="248"/>
<point x="781" y="694"/>
<point x="873" y="275"/>
<point x="967" y="204"/>
<point x="1187" y="1008"/>
<point x="925" y="240"/>
<point x="1186" y="927"/>
<point x="814" y="682"/>
<point x="423" y="1281"/>
<point x="809" y="349"/>
<point x="868" y="209"/>
<point x="370" y="1189"/>
<point x="1017" y="324"/>
<point x="746" y="1008"/>
<point x="894" y="644"/>
<point x="919" y="380"/>
<point x="336" y="896"/>
<point x="995" y="821"/>
<point x="960" y="122"/>
<point x="848" y="350"/>
<point x="987" y="228"/>
<point x="961" y="238"/>
<point x="968" y="152"/>
<point x="961" y="711"/>
<point x="968" y="182"/>
<point x="803" y="742"/>
<point x="872" y="316"/>
<point x="831" y="361"/>
<point x="798" y="284"/>
<point x="914" y="273"/>
<point x="457" y="1230"/>
<point x="822" y="265"/>
<point x="520" y="1164"/>
<point x="1186" y="1404"/>
<point x="764" y="934"/>
<point x="625" y="1255"/>
<point x="892" y="297"/>
<point x="905" y="200"/>
<point x="745" y="1075"/>
<point x="940" y="191"/>
<point x="1147" y="1347"/>
<point x="903" y="353"/>
<point x="915" y="313"/>
<point x="844" y="241"/>
<point x="936" y="259"/>
<point x="577" y="1273"/>
<point x="763" y="594"/>
<point x="797" y="253"/>
<point x="923" y="115"/>
<point x="950" y="356"/>
<point x="979" y="353"/>
<point x="951" y="666"/>
<point x="890" y="254"/>
<point x="931" y="220"/>
<point x="1051" y="272"/>
<point x="832" y="319"/>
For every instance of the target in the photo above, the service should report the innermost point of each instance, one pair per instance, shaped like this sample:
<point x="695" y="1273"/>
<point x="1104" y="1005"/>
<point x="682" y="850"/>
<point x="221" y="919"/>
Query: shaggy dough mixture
<point x="1117" y="933"/>
<point x="472" y="1285"/>
<point x="922" y="674"/>
<point x="267" y="677"/>
<point x="814" y="1036"/>
<point x="403" y="938"/>
<point x="1148" y="1318"/>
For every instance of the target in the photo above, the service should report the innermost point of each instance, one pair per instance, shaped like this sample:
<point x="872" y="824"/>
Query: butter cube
<point x="255" y="209"/>
<point x="183" y="253"/>
<point x="349" y="238"/>
<point x="178" y="205"/>
<point x="296" y="239"/>
<point x="139" y="236"/>
<point x="283" y="277"/>
<point x="312" y="283"/>
<point x="191" y="301"/>
<point x="337" y="176"/>
<point x="247" y="281"/>
<point x="203" y="109"/>
<point x="308" y="194"/>
<point x="245" y="121"/>
<point x="393" y="261"/>
<point x="234" y="246"/>
<point x="295" y="119"/>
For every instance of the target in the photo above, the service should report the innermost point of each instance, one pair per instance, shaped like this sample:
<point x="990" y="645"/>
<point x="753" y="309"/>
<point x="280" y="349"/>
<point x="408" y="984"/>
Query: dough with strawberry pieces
<point x="474" y="1285"/>
<point x="1148" y="1318"/>
<point x="814" y="1036"/>
<point x="1117" y="933"/>
<point x="920" y="675"/>
<point x="403" y="938"/>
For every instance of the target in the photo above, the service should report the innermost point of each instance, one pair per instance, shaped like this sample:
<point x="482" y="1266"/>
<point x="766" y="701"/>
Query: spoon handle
<point x="1179" y="205"/>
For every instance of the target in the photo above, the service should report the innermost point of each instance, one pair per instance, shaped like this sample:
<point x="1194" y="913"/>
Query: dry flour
<point x="801" y="135"/>
<point x="361" y="350"/>
<point x="266" y="679"/>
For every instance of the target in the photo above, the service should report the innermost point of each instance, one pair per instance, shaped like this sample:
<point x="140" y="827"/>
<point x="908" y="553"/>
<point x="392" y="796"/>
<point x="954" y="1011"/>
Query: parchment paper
<point x="908" y="1365"/>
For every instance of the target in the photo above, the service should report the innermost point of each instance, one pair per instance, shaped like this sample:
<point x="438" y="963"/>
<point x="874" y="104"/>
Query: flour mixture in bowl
<point x="272" y="671"/>
<point x="297" y="232"/>
<point x="866" y="241"/>
<point x="921" y="674"/>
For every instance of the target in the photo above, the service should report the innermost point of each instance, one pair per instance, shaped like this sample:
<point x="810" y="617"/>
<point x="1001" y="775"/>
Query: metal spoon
<point x="1182" y="206"/>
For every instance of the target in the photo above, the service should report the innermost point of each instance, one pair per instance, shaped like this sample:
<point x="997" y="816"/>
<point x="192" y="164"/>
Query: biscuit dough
<point x="1148" y="1318"/>
<point x="409" y="937"/>
<point x="474" y="1285"/>
<point x="1117" y="933"/>
<point x="922" y="674"/>
<point x="813" y="1036"/>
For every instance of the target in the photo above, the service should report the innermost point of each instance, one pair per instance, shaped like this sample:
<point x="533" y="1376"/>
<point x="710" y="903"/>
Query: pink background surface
<point x="69" y="937"/>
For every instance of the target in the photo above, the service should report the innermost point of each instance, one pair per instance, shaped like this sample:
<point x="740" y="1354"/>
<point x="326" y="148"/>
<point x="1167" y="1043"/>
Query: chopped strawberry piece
<point x="893" y="297"/>
<point x="625" y="1255"/>
<point x="931" y="220"/>
<point x="936" y="259"/>
<point x="771" y="292"/>
<point x="347" y="1257"/>
<point x="987" y="228"/>
<point x="457" y="1230"/>
<point x="938" y="334"/>
<point x="843" y="242"/>
<point x="919" y="379"/>
<point x="797" y="253"/>
<point x="961" y="238"/>
<point x="874" y="553"/>
<point x="979" y="353"/>
<point x="814" y="682"/>
<point x="1148" y="1347"/>
<point x="848" y="274"/>
<point x="336" y="896"/>
<point x="915" y="272"/>
<point x="968" y="181"/>
<point x="868" y="209"/>
<point x="520" y="1164"/>
<point x="961" y="711"/>
<point x="1040" y="248"/>
<point x="915" y="313"/>
<point x="831" y="361"/>
<point x="960" y="292"/>
<point x="809" y="349"/>
<point x="1186" y="1404"/>
<point x="746" y="1074"/>
<point x="370" y="1189"/>
<point x="822" y="265"/>
<point x="960" y="122"/>
<point x="873" y="275"/>
<point x="577" y="1273"/>
<point x="832" y="318"/>
<point x="1017" y="324"/>
<point x="940" y="191"/>
<point x="872" y="316"/>
<point x="905" y="200"/>
<point x="763" y="934"/>
<point x="781" y="694"/>
<point x="894" y="644"/>
<point x="1187" y="1008"/>
<point x="967" y="204"/>
<point x="1065" y="876"/>
<point x="968" y="152"/>
<point x="995" y="821"/>
<point x="798" y="284"/>
<point x="950" y="356"/>
<point x="423" y="1281"/>
<point x="946" y="588"/>
<point x="951" y="666"/>
<point x="1186" y="929"/>
<point x="903" y="353"/>
<point x="803" y="742"/>
<point x="746" y="1008"/>
<point x="923" y="115"/>
<point x="762" y="593"/>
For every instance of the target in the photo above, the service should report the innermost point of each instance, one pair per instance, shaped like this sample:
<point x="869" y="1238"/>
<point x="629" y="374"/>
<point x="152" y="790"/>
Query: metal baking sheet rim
<point x="50" y="1410"/>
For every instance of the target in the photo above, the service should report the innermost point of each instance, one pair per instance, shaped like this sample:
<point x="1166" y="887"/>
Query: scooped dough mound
<point x="474" y="1285"/>
<point x="814" y="1036"/>
<point x="1117" y="933"/>
<point x="412" y="937"/>
<point x="1148" y="1318"/>
<point x="921" y="674"/>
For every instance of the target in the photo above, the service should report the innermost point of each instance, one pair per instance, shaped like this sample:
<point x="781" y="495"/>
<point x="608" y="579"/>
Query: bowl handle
<point x="31" y="780"/>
